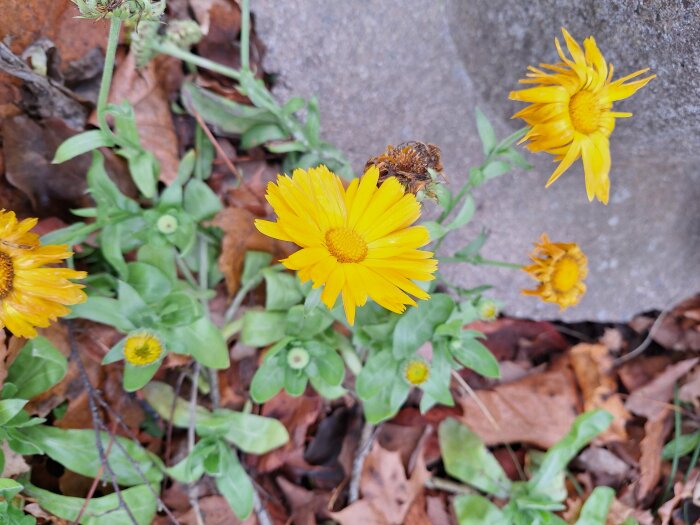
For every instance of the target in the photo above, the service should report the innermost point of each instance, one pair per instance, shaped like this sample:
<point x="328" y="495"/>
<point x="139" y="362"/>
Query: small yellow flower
<point x="142" y="348"/>
<point x="416" y="372"/>
<point x="560" y="268"/>
<point x="30" y="294"/>
<point x="357" y="241"/>
<point x="570" y="111"/>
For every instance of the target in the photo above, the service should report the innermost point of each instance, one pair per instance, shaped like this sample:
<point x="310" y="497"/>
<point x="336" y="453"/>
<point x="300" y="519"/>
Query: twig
<point x="260" y="510"/>
<point x="94" y="398"/>
<point x="232" y="168"/>
<point x="97" y="423"/>
<point x="647" y="340"/>
<point x="460" y="380"/>
<point x="363" y="448"/>
<point x="98" y="476"/>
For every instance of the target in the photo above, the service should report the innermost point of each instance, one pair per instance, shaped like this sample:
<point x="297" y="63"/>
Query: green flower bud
<point x="298" y="358"/>
<point x="125" y="10"/>
<point x="488" y="309"/>
<point x="184" y="33"/>
<point x="455" y="344"/>
<point x="142" y="42"/>
<point x="167" y="224"/>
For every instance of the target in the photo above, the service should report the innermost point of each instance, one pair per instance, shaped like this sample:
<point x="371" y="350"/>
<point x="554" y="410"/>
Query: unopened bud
<point x="488" y="309"/>
<point x="184" y="33"/>
<point x="298" y="358"/>
<point x="167" y="224"/>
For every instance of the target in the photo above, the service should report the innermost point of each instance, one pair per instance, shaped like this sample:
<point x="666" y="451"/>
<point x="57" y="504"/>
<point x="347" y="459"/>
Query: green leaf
<point x="681" y="445"/>
<point x="585" y="427"/>
<point x="417" y="325"/>
<point x="161" y="397"/>
<point x="81" y="143"/>
<point x="472" y="249"/>
<point x="160" y="254"/>
<point x="203" y="341"/>
<point x="436" y="230"/>
<point x="205" y="155"/>
<point x="472" y="509"/>
<point x="374" y="374"/>
<point x="387" y="402"/>
<point x="260" y="134"/>
<point x="226" y="114"/>
<point x="437" y="387"/>
<point x="486" y="132"/>
<point x="465" y="214"/>
<point x="184" y="171"/>
<point x="268" y="380"/>
<point x="200" y="202"/>
<point x="252" y="266"/>
<point x="179" y="309"/>
<point x="281" y="289"/>
<point x="110" y="244"/>
<point x="595" y="510"/>
<point x="262" y="328"/>
<point x="287" y="147"/>
<point x="330" y="365"/>
<point x="472" y="354"/>
<point x="312" y="128"/>
<point x="307" y="324"/>
<point x="9" y="408"/>
<point x="9" y="488"/>
<point x="104" y="510"/>
<point x="70" y="235"/>
<point x="295" y="381"/>
<point x="234" y="484"/>
<point x="132" y="305"/>
<point x="135" y="377"/>
<point x="249" y="432"/>
<point x="105" y="192"/>
<point x="77" y="451"/>
<point x="148" y="281"/>
<point x="495" y="169"/>
<point x="37" y="367"/>
<point x="467" y="459"/>
<point x="144" y="170"/>
<point x="191" y="468"/>
<point x="102" y="310"/>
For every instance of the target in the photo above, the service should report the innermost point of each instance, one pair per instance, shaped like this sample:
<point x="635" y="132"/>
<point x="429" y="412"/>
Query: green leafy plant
<point x="528" y="502"/>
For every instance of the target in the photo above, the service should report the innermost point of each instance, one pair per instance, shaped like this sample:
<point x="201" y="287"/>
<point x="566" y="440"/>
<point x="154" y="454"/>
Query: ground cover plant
<point x="224" y="323"/>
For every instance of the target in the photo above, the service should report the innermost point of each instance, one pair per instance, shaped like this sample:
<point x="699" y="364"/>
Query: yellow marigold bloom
<point x="560" y="268"/>
<point x="142" y="348"/>
<point x="416" y="372"/>
<point x="357" y="241"/>
<point x="570" y="114"/>
<point x="31" y="295"/>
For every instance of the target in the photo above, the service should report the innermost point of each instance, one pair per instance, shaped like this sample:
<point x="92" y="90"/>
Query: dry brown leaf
<point x="592" y="365"/>
<point x="538" y="409"/>
<point x="681" y="491"/>
<point x="304" y="504"/>
<point x="606" y="467"/>
<point x="638" y="372"/>
<point x="619" y="512"/>
<point x="240" y="235"/>
<point x="518" y="339"/>
<point x="387" y="494"/>
<point x="655" y="432"/>
<point x="680" y="329"/>
<point x="690" y="391"/>
<point x="437" y="511"/>
<point x="14" y="463"/>
<point x="650" y="401"/>
<point x="215" y="511"/>
<point x="144" y="89"/>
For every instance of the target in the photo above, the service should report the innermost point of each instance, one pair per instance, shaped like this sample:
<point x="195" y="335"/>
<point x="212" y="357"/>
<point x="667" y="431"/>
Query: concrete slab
<point x="386" y="71"/>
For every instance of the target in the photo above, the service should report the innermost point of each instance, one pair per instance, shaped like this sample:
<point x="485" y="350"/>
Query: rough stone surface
<point x="386" y="71"/>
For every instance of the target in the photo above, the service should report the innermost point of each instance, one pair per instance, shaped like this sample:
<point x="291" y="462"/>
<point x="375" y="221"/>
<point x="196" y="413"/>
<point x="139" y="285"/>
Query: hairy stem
<point x="245" y="35"/>
<point x="110" y="54"/>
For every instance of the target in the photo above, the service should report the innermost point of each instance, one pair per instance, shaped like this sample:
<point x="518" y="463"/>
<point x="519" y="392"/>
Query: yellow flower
<point x="570" y="113"/>
<point x="31" y="295"/>
<point x="560" y="268"/>
<point x="357" y="241"/>
<point x="416" y="372"/>
<point x="142" y="348"/>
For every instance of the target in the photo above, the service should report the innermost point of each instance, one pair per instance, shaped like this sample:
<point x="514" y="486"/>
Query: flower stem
<point x="168" y="48"/>
<point x="110" y="54"/>
<point x="245" y="35"/>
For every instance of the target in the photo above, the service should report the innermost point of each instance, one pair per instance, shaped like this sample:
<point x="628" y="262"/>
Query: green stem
<point x="110" y="54"/>
<point x="502" y="264"/>
<point x="171" y="49"/>
<point x="245" y="35"/>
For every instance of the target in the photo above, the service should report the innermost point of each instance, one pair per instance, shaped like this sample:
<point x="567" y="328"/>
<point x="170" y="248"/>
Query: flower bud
<point x="167" y="224"/>
<point x="184" y="33"/>
<point x="142" y="42"/>
<point x="488" y="309"/>
<point x="298" y="358"/>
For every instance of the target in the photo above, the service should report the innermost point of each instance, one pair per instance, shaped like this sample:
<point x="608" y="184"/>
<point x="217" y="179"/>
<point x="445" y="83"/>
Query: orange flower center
<point x="346" y="245"/>
<point x="585" y="112"/>
<point x="566" y="274"/>
<point x="7" y="274"/>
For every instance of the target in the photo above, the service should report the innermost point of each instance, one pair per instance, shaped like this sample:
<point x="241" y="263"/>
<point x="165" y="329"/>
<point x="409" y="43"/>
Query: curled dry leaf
<point x="651" y="400"/>
<point x="592" y="366"/>
<point x="619" y="512"/>
<point x="146" y="89"/>
<point x="680" y="329"/>
<point x="655" y="432"/>
<point x="681" y="491"/>
<point x="538" y="410"/>
<point x="690" y="391"/>
<point x="387" y="494"/>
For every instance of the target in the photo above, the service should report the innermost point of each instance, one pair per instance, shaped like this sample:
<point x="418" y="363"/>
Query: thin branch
<point x="647" y="340"/>
<point x="460" y="380"/>
<point x="98" y="476"/>
<point x="230" y="165"/>
<point x="363" y="448"/>
<point x="447" y="486"/>
<point x="190" y="440"/>
<point x="260" y="510"/>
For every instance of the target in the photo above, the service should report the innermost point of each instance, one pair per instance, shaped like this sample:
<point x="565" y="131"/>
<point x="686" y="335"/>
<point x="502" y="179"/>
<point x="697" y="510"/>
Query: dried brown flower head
<point x="410" y="163"/>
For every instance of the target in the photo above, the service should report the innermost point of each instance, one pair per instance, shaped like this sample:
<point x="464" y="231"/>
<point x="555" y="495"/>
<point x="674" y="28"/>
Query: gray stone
<point x="386" y="71"/>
